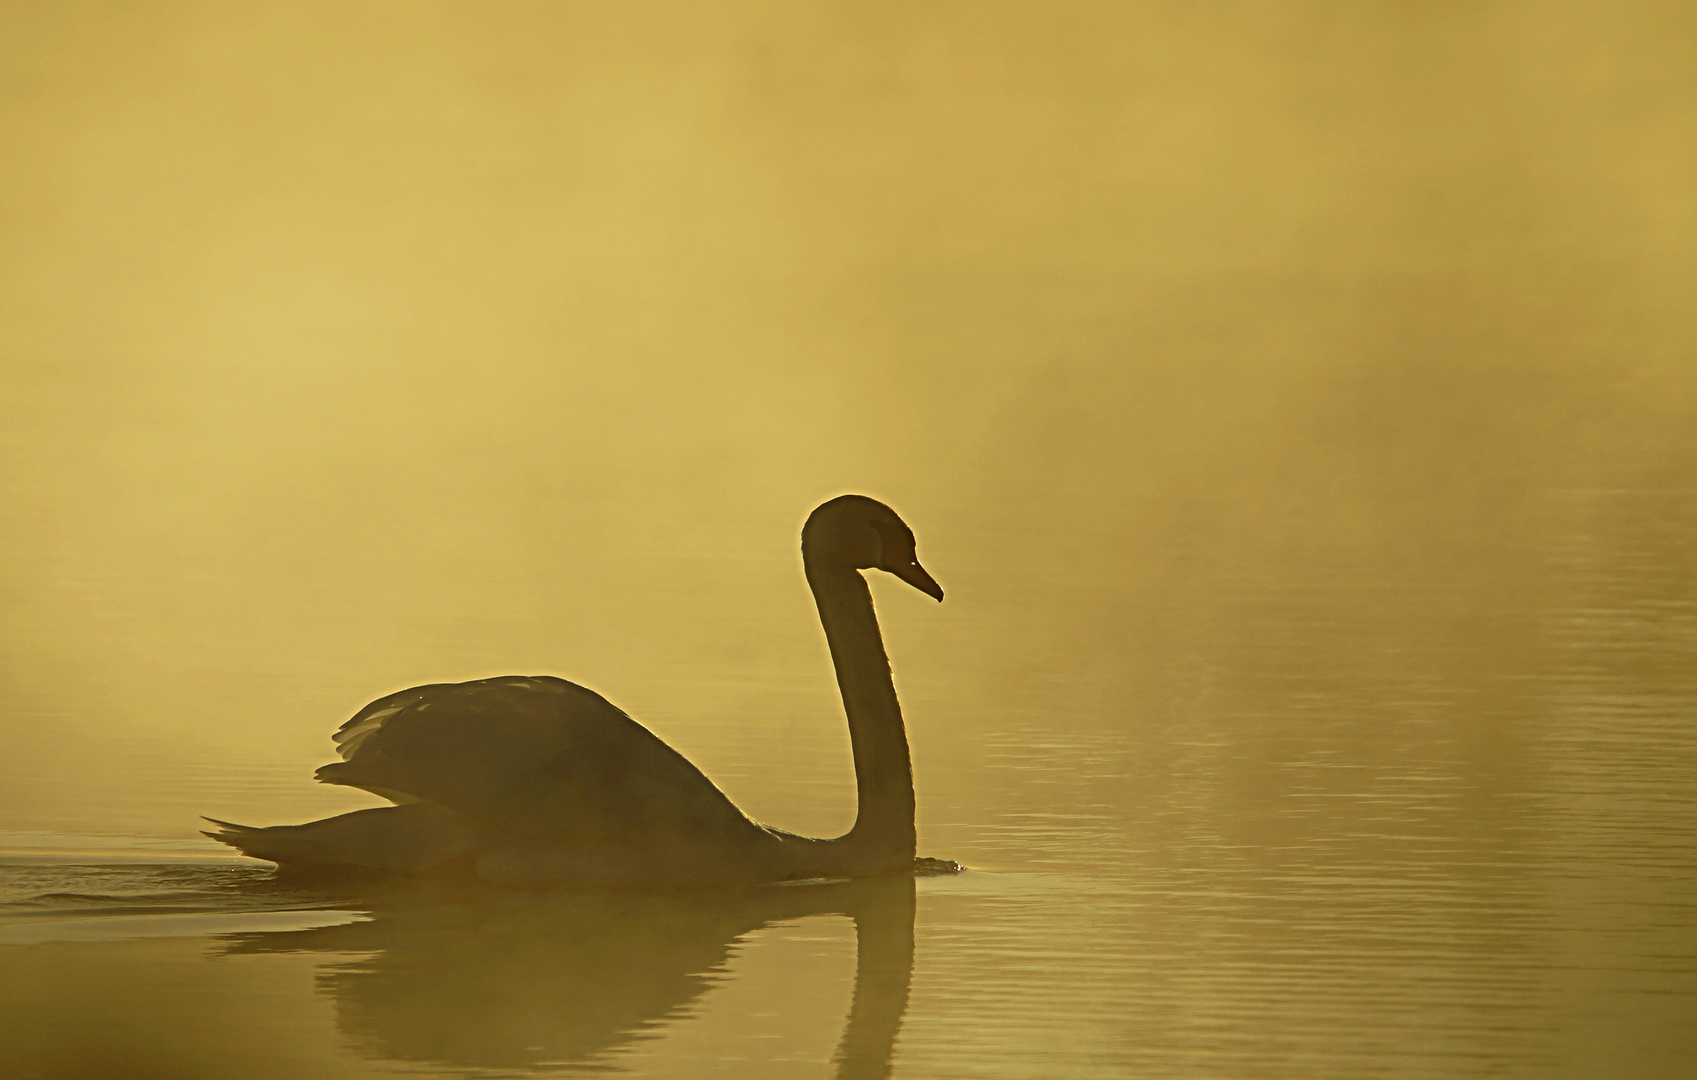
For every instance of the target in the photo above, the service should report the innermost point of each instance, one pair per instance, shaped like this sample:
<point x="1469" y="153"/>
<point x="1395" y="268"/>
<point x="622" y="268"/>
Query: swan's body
<point x="536" y="781"/>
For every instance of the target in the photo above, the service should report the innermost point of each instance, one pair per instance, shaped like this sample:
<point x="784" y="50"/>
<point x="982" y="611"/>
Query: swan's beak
<point x="915" y="575"/>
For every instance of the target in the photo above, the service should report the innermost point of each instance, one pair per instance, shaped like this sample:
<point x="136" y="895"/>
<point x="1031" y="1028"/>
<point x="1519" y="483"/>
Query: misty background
<point x="342" y="350"/>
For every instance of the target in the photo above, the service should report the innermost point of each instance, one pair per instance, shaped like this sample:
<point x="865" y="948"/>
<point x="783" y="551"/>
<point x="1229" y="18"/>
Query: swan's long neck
<point x="883" y="833"/>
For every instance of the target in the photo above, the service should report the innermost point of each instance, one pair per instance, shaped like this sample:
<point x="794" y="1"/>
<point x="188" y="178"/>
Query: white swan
<point x="538" y="782"/>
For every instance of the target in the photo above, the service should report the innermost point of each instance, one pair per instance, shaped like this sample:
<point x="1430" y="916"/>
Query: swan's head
<point x="852" y="530"/>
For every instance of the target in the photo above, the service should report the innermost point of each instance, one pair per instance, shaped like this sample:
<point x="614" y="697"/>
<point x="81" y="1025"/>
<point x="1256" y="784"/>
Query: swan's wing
<point x="535" y="756"/>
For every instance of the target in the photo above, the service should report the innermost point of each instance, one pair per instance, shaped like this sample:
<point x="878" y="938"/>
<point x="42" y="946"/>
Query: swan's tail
<point x="399" y="839"/>
<point x="284" y="845"/>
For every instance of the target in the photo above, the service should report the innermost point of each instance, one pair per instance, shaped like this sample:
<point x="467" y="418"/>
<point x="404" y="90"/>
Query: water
<point x="1316" y="851"/>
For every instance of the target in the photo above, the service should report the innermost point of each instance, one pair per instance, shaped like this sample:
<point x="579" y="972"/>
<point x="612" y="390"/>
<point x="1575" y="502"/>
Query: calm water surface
<point x="1336" y="821"/>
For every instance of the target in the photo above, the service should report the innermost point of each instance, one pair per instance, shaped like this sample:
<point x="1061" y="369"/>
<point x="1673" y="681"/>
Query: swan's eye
<point x="891" y="545"/>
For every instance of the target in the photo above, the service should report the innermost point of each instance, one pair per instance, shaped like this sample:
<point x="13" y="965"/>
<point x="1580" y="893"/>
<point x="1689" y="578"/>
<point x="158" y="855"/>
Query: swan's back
<point x="534" y="758"/>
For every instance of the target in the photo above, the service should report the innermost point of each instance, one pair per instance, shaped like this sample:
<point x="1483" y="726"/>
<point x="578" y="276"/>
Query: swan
<point x="536" y="782"/>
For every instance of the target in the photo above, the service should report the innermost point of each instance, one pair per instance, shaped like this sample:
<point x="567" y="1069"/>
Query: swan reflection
<point x="464" y="976"/>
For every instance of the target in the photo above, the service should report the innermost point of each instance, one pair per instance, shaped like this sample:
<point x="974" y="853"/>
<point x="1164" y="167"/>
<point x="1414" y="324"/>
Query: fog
<point x="1205" y="346"/>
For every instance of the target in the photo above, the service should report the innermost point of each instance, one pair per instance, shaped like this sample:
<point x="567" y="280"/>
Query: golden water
<point x="1297" y="406"/>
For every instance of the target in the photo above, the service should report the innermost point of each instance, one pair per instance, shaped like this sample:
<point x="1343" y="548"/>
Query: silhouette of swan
<point x="538" y="782"/>
<point x="495" y="979"/>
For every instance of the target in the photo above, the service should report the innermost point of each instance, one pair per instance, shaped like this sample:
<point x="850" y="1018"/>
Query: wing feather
<point x="535" y="756"/>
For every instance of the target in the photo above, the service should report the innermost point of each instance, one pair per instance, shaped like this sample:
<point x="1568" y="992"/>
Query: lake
<point x="1343" y="823"/>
